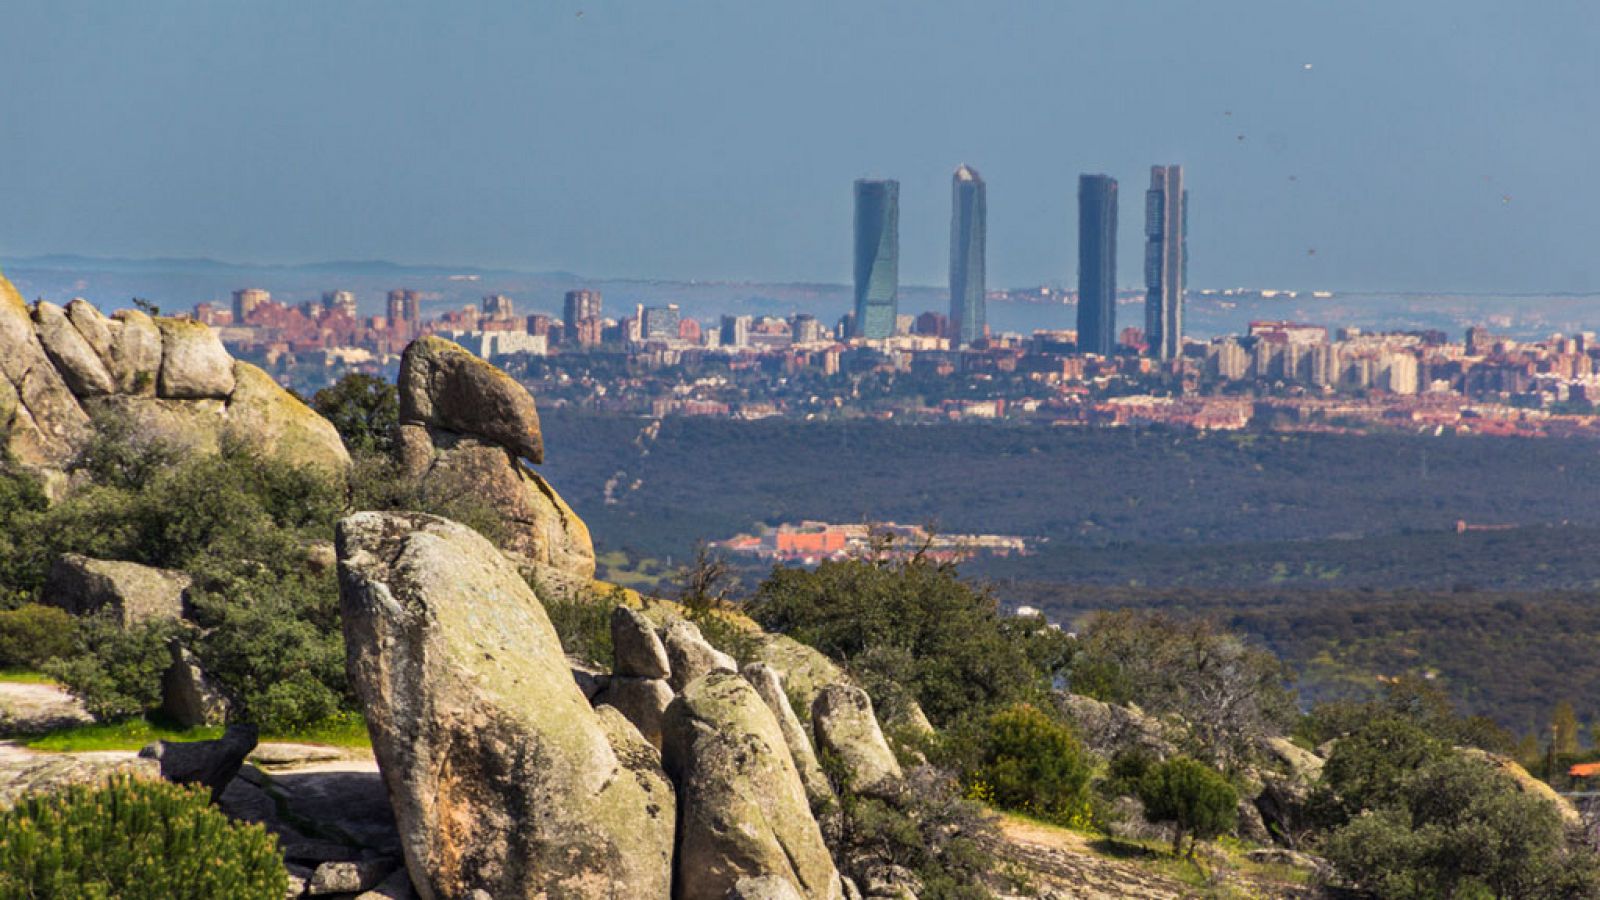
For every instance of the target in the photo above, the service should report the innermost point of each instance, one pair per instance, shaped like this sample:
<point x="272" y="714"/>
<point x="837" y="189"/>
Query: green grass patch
<point x="25" y="676"/>
<point x="342" y="730"/>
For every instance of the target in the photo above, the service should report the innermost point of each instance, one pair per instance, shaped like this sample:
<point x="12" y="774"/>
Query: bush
<point x="1195" y="800"/>
<point x="907" y="623"/>
<point x="32" y="634"/>
<point x="135" y="840"/>
<point x="930" y="829"/>
<point x="583" y="622"/>
<point x="115" y="671"/>
<point x="1456" y="827"/>
<point x="364" y="409"/>
<point x="1034" y="764"/>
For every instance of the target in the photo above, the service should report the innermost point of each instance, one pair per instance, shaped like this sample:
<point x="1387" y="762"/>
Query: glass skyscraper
<point x="1166" y="260"/>
<point x="968" y="222"/>
<point x="1097" y="264"/>
<point x="877" y="257"/>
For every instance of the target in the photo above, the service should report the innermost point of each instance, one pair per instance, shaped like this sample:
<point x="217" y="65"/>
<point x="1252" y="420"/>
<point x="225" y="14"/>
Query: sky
<point x="1348" y="144"/>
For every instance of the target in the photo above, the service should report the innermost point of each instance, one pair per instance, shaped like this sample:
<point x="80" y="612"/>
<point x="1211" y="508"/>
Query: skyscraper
<point x="877" y="257"/>
<point x="1097" y="264"/>
<point x="581" y="306"/>
<point x="245" y="302"/>
<point x="1166" y="260"/>
<point x="968" y="221"/>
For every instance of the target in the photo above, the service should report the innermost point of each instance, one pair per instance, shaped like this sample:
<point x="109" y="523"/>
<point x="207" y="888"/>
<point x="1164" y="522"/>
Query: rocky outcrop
<point x="466" y="427"/>
<point x="24" y="772"/>
<point x="1109" y="729"/>
<point x="66" y="372"/>
<point x="846" y="728"/>
<point x="742" y="808"/>
<point x="642" y="701"/>
<point x="135" y="593"/>
<point x="1527" y="784"/>
<point x="189" y="697"/>
<point x="690" y="655"/>
<point x="504" y="781"/>
<point x="210" y="763"/>
<point x="767" y="887"/>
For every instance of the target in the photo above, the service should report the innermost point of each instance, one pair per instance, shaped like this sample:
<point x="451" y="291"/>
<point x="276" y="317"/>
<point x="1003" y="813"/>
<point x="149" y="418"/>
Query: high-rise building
<point x="1166" y="260"/>
<point x="498" y="307"/>
<point x="735" y="331"/>
<point x="245" y="302"/>
<point x="877" y="272"/>
<point x="968" y="222"/>
<point x="579" y="306"/>
<point x="405" y="312"/>
<point x="806" y="329"/>
<point x="661" y="322"/>
<point x="1097" y="264"/>
<point x="340" y="302"/>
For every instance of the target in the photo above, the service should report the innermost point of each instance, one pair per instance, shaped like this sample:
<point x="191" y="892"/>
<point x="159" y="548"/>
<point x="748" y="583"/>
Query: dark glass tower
<point x="968" y="223"/>
<point x="1097" y="264"/>
<point x="1166" y="260"/>
<point x="877" y="257"/>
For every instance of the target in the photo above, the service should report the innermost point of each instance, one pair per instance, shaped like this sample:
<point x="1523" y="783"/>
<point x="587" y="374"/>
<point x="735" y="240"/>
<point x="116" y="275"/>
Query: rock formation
<point x="65" y="372"/>
<point x="846" y="728"/>
<point x="503" y="779"/>
<point x="135" y="593"/>
<point x="210" y="763"/>
<point x="466" y="426"/>
<point x="743" y="811"/>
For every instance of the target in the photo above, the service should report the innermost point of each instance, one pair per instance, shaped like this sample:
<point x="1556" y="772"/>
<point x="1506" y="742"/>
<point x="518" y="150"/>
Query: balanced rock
<point x="465" y="429"/>
<point x="82" y="586"/>
<point x="503" y="780"/>
<point x="446" y="386"/>
<point x="742" y="807"/>
<point x="636" y="647"/>
<point x="846" y="727"/>
<point x="690" y="655"/>
<point x="769" y="685"/>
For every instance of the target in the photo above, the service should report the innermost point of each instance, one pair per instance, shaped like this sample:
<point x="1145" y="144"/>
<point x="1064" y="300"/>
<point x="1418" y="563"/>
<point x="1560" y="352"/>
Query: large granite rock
<point x="80" y="366"/>
<point x="448" y="387"/>
<point x="636" y="647"/>
<point x="189" y="697"/>
<point x="769" y="685"/>
<point x="210" y="763"/>
<point x="742" y="808"/>
<point x="66" y="373"/>
<point x="44" y="427"/>
<point x="82" y="586"/>
<point x="642" y="701"/>
<point x="25" y="772"/>
<point x="541" y="528"/>
<point x="194" y="364"/>
<point x="503" y="779"/>
<point x="846" y="728"/>
<point x="691" y="656"/>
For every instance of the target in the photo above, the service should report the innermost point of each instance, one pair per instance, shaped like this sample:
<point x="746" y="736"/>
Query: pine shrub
<point x="134" y="840"/>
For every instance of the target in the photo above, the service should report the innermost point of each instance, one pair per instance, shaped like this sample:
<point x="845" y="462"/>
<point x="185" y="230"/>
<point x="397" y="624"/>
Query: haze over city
<point x="1421" y="146"/>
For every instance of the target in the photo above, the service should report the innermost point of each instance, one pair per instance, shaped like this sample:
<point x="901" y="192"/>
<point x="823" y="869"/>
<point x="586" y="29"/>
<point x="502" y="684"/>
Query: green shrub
<point x="364" y="409"/>
<point x="583" y="622"/>
<point x="134" y="840"/>
<point x="930" y="828"/>
<point x="115" y="671"/>
<point x="32" y="634"/>
<point x="1456" y="827"/>
<point x="1191" y="797"/>
<point x="1034" y="764"/>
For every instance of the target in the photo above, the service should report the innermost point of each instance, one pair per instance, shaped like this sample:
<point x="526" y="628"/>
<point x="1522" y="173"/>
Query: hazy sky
<point x="1412" y="144"/>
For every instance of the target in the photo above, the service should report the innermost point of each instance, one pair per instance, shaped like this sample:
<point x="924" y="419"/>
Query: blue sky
<point x="1432" y="144"/>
